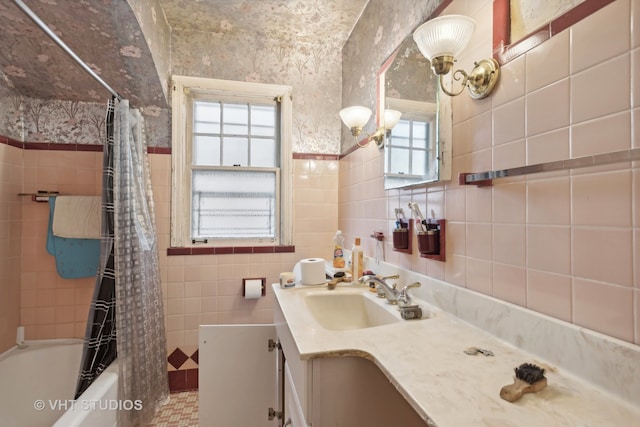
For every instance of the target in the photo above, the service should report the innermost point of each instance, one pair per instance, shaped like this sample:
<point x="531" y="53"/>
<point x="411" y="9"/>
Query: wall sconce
<point x="441" y="40"/>
<point x="357" y="116"/>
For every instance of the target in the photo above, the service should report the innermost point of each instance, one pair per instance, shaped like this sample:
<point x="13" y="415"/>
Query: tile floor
<point x="181" y="411"/>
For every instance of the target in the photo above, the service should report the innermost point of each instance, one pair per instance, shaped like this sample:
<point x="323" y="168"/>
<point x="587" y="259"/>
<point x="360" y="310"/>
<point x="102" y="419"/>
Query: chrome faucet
<point x="404" y="299"/>
<point x="390" y="292"/>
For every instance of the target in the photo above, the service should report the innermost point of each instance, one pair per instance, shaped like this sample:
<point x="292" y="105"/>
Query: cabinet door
<point x="292" y="409"/>
<point x="237" y="378"/>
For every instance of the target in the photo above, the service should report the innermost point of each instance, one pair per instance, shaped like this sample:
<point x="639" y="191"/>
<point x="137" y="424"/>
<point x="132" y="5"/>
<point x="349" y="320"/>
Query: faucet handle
<point x="380" y="293"/>
<point x="404" y="298"/>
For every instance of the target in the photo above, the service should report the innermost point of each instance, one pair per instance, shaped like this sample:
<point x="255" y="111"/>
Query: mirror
<point x="418" y="149"/>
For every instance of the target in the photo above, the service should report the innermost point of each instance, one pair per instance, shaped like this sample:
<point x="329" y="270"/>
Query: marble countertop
<point x="426" y="362"/>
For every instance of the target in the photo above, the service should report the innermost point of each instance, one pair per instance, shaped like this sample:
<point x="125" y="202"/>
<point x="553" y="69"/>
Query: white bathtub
<point x="37" y="384"/>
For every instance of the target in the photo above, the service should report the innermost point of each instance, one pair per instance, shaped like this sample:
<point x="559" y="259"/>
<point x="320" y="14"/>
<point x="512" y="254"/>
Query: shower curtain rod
<point x="64" y="46"/>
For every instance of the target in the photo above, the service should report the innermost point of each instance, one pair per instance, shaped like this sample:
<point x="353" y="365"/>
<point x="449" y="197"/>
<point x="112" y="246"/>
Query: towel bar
<point x="41" y="196"/>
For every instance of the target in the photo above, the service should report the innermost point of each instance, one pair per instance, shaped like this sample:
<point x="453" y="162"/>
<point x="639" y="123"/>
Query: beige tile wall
<point x="207" y="289"/>
<point x="204" y="289"/>
<point x="10" y="243"/>
<point x="50" y="306"/>
<point x="564" y="244"/>
<point x="197" y="289"/>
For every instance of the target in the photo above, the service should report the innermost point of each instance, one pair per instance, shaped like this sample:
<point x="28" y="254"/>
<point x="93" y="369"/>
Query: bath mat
<point x="75" y="258"/>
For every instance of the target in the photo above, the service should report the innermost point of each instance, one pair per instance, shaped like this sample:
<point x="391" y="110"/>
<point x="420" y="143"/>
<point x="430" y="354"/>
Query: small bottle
<point x="338" y="254"/>
<point x="357" y="260"/>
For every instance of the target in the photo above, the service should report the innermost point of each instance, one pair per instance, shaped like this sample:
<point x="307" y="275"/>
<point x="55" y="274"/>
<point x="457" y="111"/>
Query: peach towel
<point x="78" y="217"/>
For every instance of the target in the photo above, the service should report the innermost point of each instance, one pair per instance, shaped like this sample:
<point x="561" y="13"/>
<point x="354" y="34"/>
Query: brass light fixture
<point x="441" y="40"/>
<point x="357" y="116"/>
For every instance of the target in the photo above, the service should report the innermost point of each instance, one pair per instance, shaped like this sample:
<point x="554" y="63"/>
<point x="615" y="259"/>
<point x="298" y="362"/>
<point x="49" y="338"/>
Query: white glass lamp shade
<point x="391" y="118"/>
<point x="355" y="117"/>
<point x="446" y="35"/>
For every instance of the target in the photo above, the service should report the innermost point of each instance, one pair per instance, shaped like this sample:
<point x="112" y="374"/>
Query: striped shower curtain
<point x="135" y="303"/>
<point x="100" y="336"/>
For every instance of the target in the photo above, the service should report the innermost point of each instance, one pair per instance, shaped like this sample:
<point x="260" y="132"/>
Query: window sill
<point x="230" y="250"/>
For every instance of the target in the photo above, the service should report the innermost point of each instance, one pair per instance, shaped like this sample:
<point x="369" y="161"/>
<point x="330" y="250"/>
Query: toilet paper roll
<point x="312" y="272"/>
<point x="252" y="289"/>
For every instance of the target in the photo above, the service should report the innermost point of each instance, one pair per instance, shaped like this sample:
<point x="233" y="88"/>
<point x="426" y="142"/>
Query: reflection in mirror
<point x="417" y="149"/>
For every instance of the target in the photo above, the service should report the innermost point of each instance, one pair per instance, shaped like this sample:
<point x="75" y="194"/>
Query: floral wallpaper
<point x="409" y="76"/>
<point x="104" y="33"/>
<point x="136" y="45"/>
<point x="58" y="101"/>
<point x="11" y="118"/>
<point x="289" y="42"/>
<point x="317" y="22"/>
<point x="157" y="33"/>
<point x="312" y="70"/>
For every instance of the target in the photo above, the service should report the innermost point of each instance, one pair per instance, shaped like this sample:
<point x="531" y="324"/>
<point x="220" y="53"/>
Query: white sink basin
<point x="338" y="311"/>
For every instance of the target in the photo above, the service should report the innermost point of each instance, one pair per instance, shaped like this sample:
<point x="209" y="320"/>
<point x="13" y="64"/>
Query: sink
<point x="339" y="311"/>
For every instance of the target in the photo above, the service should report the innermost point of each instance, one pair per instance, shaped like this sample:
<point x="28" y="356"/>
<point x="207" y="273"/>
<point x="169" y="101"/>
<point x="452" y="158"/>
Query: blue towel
<point x="75" y="258"/>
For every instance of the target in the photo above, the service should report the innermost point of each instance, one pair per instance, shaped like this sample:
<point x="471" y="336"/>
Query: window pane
<point x="263" y="153"/>
<point x="206" y="150"/>
<point x="236" y="119"/>
<point x="230" y="204"/>
<point x="235" y="152"/>
<point x="419" y="162"/>
<point x="420" y="134"/>
<point x="206" y="117"/>
<point x="401" y="133"/>
<point x="263" y="120"/>
<point x="399" y="141"/>
<point x="399" y="160"/>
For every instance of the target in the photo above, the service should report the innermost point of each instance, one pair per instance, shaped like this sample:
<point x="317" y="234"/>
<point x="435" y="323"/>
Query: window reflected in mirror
<point x="413" y="148"/>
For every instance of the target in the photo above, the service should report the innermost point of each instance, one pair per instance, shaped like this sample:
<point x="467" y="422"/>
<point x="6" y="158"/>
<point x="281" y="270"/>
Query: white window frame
<point x="182" y="87"/>
<point x="419" y="111"/>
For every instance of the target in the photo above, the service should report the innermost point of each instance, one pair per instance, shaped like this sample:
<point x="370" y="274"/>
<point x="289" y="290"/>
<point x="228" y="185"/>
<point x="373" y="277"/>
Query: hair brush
<point x="529" y="378"/>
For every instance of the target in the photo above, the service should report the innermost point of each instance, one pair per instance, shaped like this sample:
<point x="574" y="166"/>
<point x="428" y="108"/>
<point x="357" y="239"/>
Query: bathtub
<point x="37" y="384"/>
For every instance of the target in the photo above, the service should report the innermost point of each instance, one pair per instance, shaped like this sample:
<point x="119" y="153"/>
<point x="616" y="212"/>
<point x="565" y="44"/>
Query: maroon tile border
<point x="150" y="150"/>
<point x="183" y="380"/>
<point x="61" y="147"/>
<point x="10" y="141"/>
<point x="228" y="250"/>
<point x="68" y="147"/>
<point x="314" y="156"/>
<point x="159" y="150"/>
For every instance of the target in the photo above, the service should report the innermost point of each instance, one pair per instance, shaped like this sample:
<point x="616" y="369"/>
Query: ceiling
<point x="106" y="35"/>
<point x="300" y="21"/>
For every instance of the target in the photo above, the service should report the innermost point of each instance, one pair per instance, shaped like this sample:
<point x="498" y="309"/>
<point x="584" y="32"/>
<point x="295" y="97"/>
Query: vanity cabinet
<point x="344" y="391"/>
<point x="246" y="379"/>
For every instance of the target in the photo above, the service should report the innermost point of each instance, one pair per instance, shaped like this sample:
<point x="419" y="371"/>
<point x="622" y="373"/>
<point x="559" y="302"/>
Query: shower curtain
<point x="100" y="336"/>
<point x="139" y="318"/>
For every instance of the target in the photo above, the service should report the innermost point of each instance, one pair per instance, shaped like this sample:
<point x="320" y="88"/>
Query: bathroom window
<point x="411" y="151"/>
<point x="230" y="154"/>
<point x="408" y="148"/>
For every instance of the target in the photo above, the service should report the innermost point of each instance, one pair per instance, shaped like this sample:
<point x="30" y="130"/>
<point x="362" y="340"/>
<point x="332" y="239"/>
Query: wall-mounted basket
<point x="402" y="237"/>
<point x="432" y="242"/>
